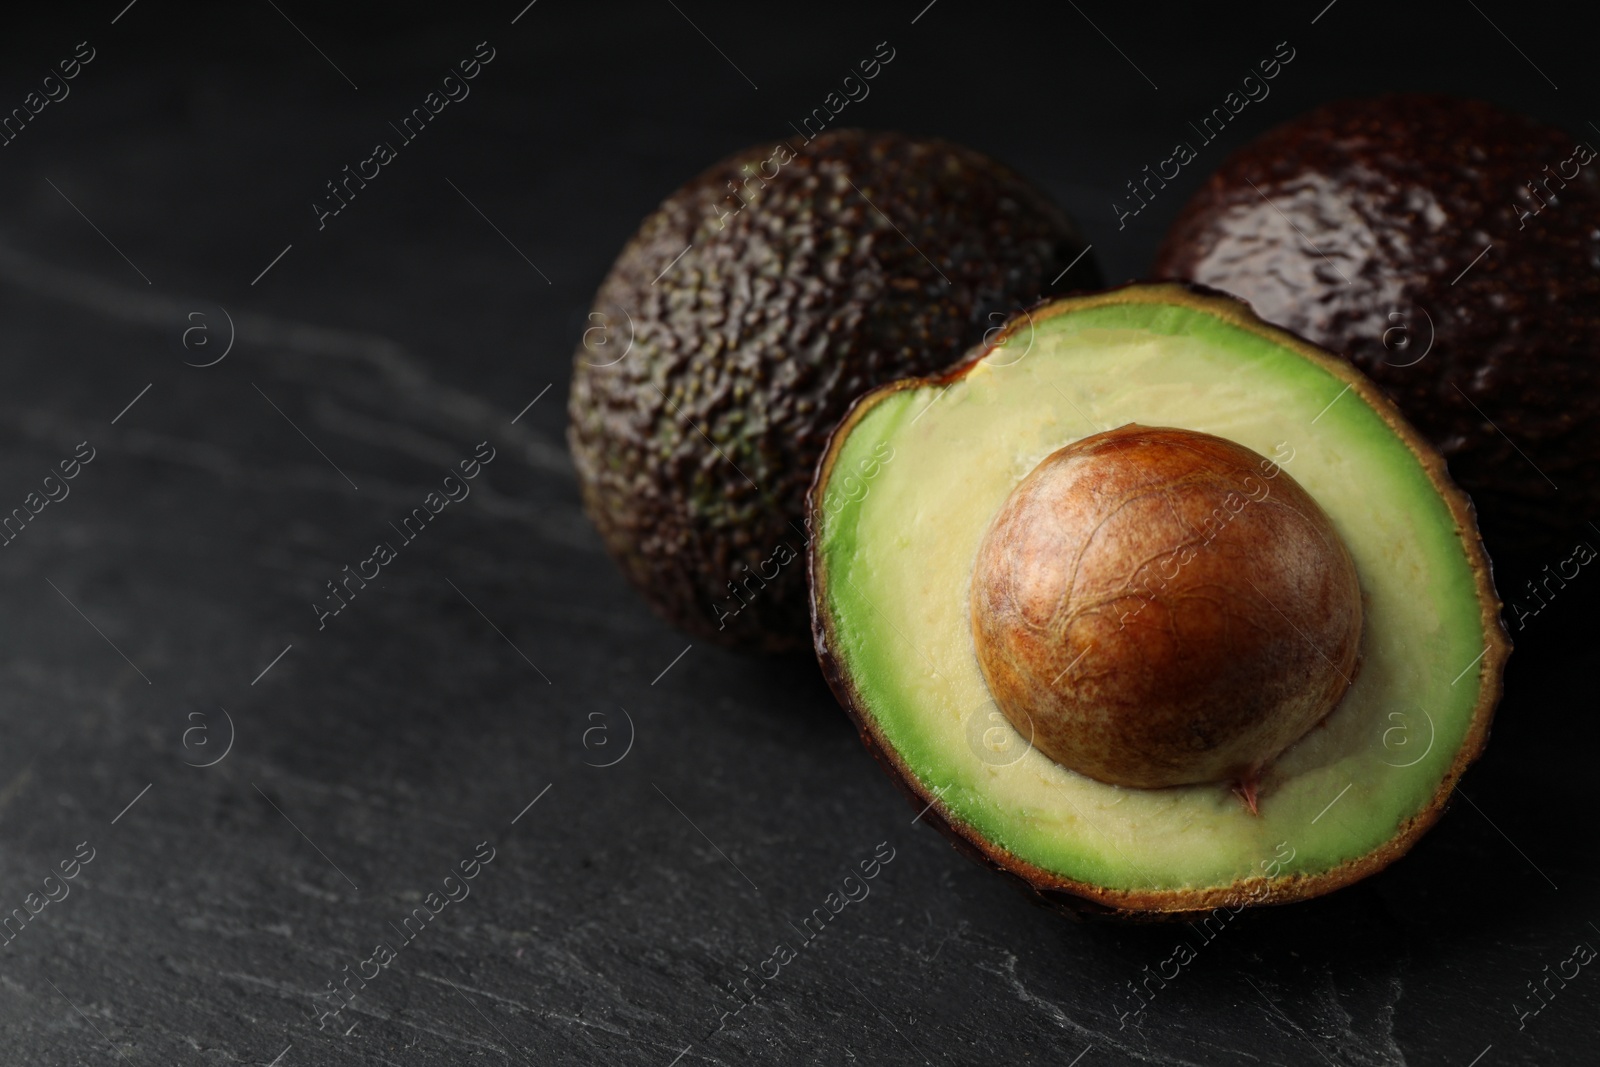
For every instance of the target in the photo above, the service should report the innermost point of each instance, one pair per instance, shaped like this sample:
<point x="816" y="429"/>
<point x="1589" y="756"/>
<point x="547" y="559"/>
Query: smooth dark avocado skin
<point x="812" y="274"/>
<point x="1353" y="225"/>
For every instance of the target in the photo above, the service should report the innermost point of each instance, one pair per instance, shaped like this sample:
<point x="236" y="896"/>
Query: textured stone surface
<point x="408" y="730"/>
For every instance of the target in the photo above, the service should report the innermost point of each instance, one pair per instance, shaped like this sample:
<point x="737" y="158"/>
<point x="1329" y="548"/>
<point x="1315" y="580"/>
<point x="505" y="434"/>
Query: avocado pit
<point x="1159" y="607"/>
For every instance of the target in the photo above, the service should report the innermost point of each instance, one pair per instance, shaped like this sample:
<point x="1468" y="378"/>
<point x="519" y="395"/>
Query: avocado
<point x="741" y="320"/>
<point x="1452" y="251"/>
<point x="1156" y="607"/>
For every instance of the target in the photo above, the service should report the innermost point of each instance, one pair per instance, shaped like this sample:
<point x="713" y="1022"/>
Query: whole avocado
<point x="1452" y="251"/>
<point x="741" y="321"/>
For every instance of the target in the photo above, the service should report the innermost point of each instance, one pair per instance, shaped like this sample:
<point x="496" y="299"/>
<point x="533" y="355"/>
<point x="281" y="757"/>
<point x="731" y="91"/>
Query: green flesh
<point x="895" y="564"/>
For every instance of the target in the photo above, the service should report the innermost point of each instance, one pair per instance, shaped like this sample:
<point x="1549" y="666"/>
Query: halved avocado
<point x="923" y="477"/>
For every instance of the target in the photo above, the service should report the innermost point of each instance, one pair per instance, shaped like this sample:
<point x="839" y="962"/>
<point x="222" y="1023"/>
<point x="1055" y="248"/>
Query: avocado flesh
<point x="893" y="568"/>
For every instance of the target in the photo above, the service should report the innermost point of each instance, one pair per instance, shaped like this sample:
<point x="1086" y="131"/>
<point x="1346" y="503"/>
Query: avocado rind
<point x="1449" y="249"/>
<point x="759" y="300"/>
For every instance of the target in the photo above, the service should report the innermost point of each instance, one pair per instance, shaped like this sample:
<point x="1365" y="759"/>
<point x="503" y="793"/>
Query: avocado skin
<point x="695" y="451"/>
<point x="1403" y="192"/>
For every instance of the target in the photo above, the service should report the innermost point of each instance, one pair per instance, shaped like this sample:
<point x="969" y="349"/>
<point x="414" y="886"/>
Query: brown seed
<point x="1157" y="607"/>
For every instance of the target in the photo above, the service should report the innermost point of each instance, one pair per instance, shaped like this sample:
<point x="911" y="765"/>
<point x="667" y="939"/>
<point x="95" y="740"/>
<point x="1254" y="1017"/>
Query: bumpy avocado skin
<point x="1352" y="226"/>
<point x="864" y="258"/>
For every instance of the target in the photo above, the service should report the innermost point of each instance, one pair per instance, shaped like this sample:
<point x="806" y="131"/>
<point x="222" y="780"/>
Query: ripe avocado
<point x="1452" y="251"/>
<point x="1157" y="607"/>
<point x="759" y="300"/>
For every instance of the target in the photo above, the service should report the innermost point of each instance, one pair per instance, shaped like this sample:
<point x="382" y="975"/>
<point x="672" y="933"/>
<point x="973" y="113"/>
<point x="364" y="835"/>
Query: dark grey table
<point x="161" y="208"/>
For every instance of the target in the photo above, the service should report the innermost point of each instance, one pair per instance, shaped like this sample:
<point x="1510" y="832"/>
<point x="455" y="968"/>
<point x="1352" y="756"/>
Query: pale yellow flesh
<point x="896" y="565"/>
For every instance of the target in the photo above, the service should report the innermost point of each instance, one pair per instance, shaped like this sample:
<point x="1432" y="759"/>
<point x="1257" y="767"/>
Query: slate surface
<point x="162" y="607"/>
